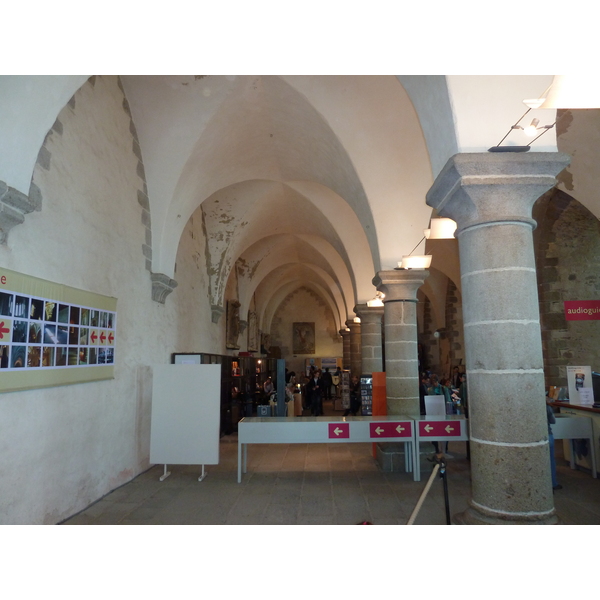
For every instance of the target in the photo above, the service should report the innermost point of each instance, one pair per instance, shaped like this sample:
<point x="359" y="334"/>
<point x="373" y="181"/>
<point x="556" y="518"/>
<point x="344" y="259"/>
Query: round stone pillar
<point x="401" y="349"/>
<point x="355" y="350"/>
<point x="370" y="334"/>
<point x="491" y="196"/>
<point x="345" y="333"/>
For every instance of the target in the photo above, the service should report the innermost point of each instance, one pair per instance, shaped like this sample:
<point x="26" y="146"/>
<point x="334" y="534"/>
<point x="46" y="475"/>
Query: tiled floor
<point x="311" y="484"/>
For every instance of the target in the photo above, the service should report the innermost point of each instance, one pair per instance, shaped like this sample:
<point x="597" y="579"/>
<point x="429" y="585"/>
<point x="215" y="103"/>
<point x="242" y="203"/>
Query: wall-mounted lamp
<point x="356" y="319"/>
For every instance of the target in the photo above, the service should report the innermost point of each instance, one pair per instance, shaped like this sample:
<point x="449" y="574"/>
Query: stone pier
<point x="370" y="331"/>
<point x="401" y="349"/>
<point x="345" y="333"/>
<point x="491" y="196"/>
<point x="355" y="351"/>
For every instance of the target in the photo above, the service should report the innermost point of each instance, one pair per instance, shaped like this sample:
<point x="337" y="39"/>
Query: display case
<point x="242" y="381"/>
<point x="366" y="395"/>
<point x="344" y="389"/>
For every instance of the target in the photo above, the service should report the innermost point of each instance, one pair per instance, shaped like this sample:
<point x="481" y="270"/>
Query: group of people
<point x="318" y="385"/>
<point x="453" y="388"/>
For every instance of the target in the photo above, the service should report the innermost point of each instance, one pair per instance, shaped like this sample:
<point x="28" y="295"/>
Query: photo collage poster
<point x="49" y="327"/>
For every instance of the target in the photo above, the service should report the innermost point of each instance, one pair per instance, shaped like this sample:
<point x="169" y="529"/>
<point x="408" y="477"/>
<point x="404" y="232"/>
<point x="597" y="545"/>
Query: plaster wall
<point x="29" y="105"/>
<point x="63" y="448"/>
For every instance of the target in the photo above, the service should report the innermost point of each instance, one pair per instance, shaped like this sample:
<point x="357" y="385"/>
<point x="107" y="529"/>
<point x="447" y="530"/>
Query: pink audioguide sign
<point x="582" y="310"/>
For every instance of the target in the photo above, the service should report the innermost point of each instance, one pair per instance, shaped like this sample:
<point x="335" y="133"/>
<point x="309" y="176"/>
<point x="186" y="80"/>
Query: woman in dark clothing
<point x="355" y="401"/>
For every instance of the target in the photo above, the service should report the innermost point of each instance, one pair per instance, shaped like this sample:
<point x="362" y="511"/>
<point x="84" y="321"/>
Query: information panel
<point x="52" y="334"/>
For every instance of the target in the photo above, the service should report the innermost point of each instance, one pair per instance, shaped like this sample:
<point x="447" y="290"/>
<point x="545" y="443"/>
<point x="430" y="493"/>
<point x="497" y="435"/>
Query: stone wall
<point x="567" y="243"/>
<point x="454" y="329"/>
<point x="440" y="353"/>
<point x="430" y="350"/>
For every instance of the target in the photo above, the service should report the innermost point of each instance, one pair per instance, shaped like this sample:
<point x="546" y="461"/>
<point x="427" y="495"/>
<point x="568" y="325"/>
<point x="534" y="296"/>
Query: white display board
<point x="435" y="405"/>
<point x="185" y="414"/>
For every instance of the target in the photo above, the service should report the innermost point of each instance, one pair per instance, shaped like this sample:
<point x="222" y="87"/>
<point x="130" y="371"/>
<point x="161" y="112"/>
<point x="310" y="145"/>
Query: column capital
<point x="344" y="332"/>
<point x="491" y="187"/>
<point x="352" y="326"/>
<point x="162" y="286"/>
<point x="368" y="313"/>
<point x="400" y="284"/>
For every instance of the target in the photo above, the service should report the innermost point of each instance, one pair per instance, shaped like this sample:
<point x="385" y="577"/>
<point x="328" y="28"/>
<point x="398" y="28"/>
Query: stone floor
<point x="311" y="484"/>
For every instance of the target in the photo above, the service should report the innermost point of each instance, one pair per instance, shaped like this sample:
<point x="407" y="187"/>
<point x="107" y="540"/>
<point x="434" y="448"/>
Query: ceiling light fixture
<point x="569" y="91"/>
<point x="530" y="130"/>
<point x="375" y="302"/>
<point x="441" y="228"/>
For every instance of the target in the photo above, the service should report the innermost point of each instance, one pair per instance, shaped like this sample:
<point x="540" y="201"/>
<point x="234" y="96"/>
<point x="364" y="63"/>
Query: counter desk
<point x="578" y="422"/>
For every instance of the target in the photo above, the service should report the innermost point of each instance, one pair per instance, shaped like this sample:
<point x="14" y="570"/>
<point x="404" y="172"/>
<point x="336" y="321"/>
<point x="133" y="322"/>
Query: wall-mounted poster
<point x="303" y="338"/>
<point x="579" y="382"/>
<point x="52" y="334"/>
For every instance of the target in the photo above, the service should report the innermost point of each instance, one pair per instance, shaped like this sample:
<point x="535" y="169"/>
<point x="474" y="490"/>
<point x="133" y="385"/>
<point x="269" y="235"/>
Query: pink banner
<point x="439" y="428"/>
<point x="339" y="430"/>
<point x="582" y="310"/>
<point x="390" y="429"/>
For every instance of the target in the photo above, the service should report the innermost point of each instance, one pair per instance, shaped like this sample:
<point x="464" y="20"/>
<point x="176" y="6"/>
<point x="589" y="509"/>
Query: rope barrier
<point x="415" y="512"/>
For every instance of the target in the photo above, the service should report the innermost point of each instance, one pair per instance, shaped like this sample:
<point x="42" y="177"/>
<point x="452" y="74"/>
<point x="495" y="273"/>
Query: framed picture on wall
<point x="303" y="338"/>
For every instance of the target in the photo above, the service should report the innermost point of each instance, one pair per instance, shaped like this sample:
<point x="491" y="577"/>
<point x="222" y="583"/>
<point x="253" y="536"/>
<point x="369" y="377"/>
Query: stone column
<point x="355" y="351"/>
<point x="370" y="332"/>
<point x="345" y="333"/>
<point x="401" y="349"/>
<point x="491" y="196"/>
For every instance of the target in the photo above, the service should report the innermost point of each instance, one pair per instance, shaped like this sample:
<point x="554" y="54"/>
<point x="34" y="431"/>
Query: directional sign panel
<point x="439" y="429"/>
<point x="390" y="429"/>
<point x="339" y="430"/>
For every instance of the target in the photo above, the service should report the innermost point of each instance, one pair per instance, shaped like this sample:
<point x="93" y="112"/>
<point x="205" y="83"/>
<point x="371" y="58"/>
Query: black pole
<point x="446" y="500"/>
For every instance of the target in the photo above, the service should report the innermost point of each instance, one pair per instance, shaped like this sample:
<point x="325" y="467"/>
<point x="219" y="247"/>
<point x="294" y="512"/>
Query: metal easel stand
<point x="167" y="473"/>
<point x="441" y="467"/>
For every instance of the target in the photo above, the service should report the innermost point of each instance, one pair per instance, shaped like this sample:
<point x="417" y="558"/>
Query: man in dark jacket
<point x="327" y="383"/>
<point x="314" y="392"/>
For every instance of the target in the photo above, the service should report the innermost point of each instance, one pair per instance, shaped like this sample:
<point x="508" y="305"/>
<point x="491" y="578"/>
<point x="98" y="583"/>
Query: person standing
<point x="314" y="391"/>
<point x="455" y="378"/>
<point x="551" y="421"/>
<point x="355" y="401"/>
<point x="268" y="387"/>
<point x="336" y="378"/>
<point x="423" y="387"/>
<point x="327" y="383"/>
